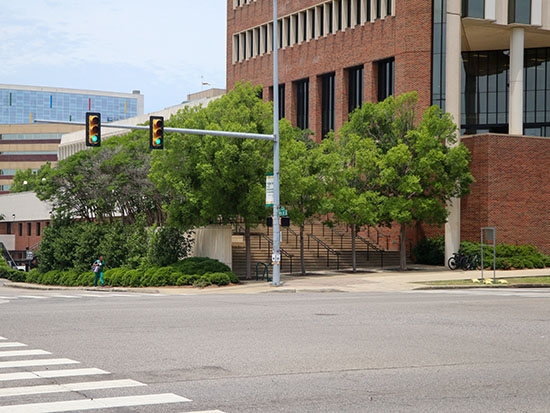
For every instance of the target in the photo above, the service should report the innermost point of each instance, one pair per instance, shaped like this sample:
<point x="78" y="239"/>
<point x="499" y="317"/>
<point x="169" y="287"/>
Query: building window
<point x="519" y="11"/>
<point x="339" y="15"/>
<point x="378" y="9"/>
<point x="484" y="103"/>
<point x="355" y="88"/>
<point x="313" y="23"/>
<point x="349" y="14"/>
<point x="29" y="229"/>
<point x="302" y="103"/>
<point x="8" y="229"/>
<point x="389" y="7"/>
<point x="369" y="10"/>
<point x="20" y="230"/>
<point x="327" y="104"/>
<point x="386" y="78"/>
<point x="281" y="101"/>
<point x="38" y="228"/>
<point x="358" y="12"/>
<point x="438" y="53"/>
<point x="473" y="8"/>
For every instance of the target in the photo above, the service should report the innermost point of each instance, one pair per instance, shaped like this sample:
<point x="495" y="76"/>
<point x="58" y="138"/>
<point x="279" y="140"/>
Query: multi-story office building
<point x="24" y="144"/>
<point x="486" y="62"/>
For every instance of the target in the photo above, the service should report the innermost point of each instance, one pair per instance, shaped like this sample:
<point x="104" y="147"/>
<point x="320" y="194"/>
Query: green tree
<point x="350" y="173"/>
<point x="217" y="180"/>
<point x="302" y="185"/>
<point x="27" y="180"/>
<point x="104" y="183"/>
<point x="420" y="166"/>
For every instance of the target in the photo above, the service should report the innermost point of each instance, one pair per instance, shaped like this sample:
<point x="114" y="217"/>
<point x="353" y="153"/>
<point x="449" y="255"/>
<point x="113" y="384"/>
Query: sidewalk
<point x="329" y="281"/>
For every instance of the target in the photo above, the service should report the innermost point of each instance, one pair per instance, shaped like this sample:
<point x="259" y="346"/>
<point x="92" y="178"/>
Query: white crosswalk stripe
<point x="35" y="363"/>
<point x="505" y="292"/>
<point x="49" y="374"/>
<point x="60" y="388"/>
<point x="17" y="353"/>
<point x="90" y="404"/>
<point x="12" y="392"/>
<point x="7" y="345"/>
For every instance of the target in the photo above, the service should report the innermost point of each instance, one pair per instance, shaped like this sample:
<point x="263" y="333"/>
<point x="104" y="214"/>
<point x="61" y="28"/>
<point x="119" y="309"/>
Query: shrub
<point x="219" y="278"/>
<point x="200" y="265"/>
<point x="430" y="251"/>
<point x="202" y="282"/>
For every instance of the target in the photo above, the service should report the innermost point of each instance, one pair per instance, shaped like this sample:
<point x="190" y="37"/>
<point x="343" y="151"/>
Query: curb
<point x="489" y="286"/>
<point x="61" y="288"/>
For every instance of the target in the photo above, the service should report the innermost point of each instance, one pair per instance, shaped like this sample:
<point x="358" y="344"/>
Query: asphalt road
<point x="474" y="351"/>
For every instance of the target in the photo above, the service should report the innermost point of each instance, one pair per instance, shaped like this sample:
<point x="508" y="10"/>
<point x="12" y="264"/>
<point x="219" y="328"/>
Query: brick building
<point x="486" y="62"/>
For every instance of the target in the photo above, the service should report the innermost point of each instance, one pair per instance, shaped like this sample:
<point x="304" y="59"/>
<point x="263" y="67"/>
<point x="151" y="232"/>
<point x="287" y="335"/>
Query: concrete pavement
<point x="328" y="281"/>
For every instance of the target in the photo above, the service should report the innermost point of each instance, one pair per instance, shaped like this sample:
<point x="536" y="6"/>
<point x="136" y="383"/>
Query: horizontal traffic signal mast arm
<point x="243" y="135"/>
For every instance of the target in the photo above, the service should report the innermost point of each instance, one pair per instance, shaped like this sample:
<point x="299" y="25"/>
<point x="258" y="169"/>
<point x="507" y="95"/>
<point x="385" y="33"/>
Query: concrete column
<point x="255" y="39"/>
<point x="452" y="102"/>
<point x="269" y="37"/>
<point x="516" y="80"/>
<point x="326" y="17"/>
<point x="284" y="27"/>
<point x="300" y="28"/>
<point x="309" y="23"/>
<point x="536" y="12"/>
<point x="318" y="22"/>
<point x="490" y="10"/>
<point x="293" y="28"/>
<point x="384" y="6"/>
<point x="363" y="11"/>
<point x="241" y="46"/>
<point x="335" y="5"/>
<point x="262" y="39"/>
<point x="345" y="12"/>
<point x="353" y="12"/>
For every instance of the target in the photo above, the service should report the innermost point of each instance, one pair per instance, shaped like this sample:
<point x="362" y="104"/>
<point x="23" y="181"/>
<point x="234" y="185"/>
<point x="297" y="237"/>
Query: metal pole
<point x="276" y="175"/>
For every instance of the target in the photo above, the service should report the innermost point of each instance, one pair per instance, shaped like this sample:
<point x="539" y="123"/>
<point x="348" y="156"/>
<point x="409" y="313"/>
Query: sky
<point x="164" y="48"/>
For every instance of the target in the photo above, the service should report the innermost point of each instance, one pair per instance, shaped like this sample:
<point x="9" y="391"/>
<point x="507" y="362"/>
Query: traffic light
<point x="93" y="129"/>
<point x="156" y="132"/>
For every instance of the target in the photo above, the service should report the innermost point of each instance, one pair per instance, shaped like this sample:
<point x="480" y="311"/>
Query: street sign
<point x="269" y="190"/>
<point x="283" y="212"/>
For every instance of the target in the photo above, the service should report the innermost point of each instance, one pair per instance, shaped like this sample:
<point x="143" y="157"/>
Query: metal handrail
<point x="7" y="256"/>
<point x="374" y="247"/>
<point x="328" y="248"/>
<point x="269" y="243"/>
<point x="288" y="229"/>
<point x="378" y="235"/>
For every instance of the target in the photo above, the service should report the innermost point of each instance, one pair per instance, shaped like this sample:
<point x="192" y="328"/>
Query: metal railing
<point x="330" y="250"/>
<point x="374" y="247"/>
<point x="269" y="246"/>
<point x="7" y="256"/>
<point x="378" y="236"/>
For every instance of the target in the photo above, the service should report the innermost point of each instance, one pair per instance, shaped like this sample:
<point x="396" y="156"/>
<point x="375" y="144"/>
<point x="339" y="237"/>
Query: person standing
<point x="98" y="270"/>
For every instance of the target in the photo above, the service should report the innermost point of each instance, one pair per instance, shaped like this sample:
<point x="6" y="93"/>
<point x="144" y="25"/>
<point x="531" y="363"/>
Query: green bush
<point x="203" y="282"/>
<point x="200" y="265"/>
<point x="218" y="278"/>
<point x="430" y="251"/>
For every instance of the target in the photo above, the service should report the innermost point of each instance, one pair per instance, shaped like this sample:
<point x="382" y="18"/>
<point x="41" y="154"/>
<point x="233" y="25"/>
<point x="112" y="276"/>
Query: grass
<point x="510" y="280"/>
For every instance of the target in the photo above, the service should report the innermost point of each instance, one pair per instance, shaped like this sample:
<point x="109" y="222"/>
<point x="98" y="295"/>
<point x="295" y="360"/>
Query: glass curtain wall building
<point x="485" y="80"/>
<point x="27" y="145"/>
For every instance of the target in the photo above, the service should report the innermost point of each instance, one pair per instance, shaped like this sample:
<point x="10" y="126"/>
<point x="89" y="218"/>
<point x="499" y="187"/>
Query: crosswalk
<point x="493" y="292"/>
<point x="43" y="383"/>
<point x="75" y="296"/>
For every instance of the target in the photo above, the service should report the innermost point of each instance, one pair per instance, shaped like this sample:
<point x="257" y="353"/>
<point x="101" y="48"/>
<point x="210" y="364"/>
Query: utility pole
<point x="276" y="174"/>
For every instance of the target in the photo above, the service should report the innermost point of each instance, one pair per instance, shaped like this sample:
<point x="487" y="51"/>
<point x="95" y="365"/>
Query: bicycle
<point x="463" y="261"/>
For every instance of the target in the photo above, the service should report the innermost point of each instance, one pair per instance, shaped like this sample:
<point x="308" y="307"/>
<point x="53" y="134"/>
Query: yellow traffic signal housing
<point x="93" y="129"/>
<point x="156" y="132"/>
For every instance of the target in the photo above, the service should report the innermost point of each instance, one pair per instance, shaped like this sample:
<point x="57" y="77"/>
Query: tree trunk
<point x="248" y="251"/>
<point x="403" y="248"/>
<point x="353" y="257"/>
<point x="302" y="258"/>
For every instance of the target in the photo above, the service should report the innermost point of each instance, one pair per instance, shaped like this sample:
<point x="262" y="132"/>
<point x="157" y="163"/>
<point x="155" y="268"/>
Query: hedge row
<point x="199" y="272"/>
<point x="431" y="251"/>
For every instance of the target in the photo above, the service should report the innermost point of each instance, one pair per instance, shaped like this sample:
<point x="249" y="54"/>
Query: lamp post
<point x="276" y="175"/>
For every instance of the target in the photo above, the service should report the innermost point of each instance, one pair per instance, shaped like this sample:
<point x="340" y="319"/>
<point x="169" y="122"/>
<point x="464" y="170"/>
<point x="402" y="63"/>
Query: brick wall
<point x="512" y="189"/>
<point x="406" y="36"/>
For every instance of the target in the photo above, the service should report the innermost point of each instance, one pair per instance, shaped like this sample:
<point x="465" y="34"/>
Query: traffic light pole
<point x="276" y="174"/>
<point x="243" y="135"/>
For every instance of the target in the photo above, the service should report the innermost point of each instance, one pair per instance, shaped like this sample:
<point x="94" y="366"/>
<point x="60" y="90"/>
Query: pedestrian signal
<point x="156" y="132"/>
<point x="93" y="129"/>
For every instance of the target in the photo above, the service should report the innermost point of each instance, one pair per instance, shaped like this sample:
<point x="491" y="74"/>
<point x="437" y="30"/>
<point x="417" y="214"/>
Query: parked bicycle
<point x="463" y="261"/>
